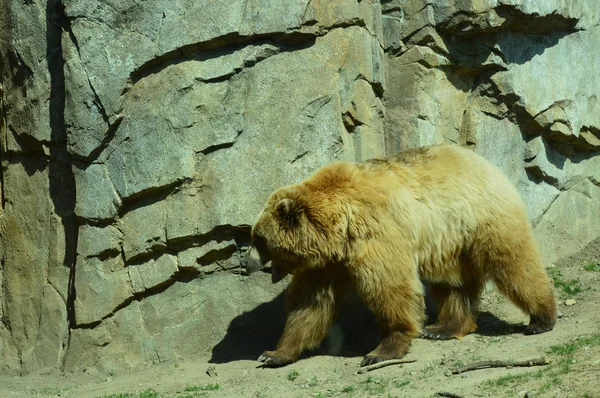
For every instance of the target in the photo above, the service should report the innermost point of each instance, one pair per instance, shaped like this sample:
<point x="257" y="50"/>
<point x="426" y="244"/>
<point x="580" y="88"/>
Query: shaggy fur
<point x="441" y="214"/>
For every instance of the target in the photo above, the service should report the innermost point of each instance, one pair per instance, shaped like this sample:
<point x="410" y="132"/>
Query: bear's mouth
<point x="277" y="273"/>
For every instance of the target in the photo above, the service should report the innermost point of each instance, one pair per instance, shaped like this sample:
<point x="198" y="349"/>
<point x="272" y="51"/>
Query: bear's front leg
<point x="394" y="293"/>
<point x="310" y="307"/>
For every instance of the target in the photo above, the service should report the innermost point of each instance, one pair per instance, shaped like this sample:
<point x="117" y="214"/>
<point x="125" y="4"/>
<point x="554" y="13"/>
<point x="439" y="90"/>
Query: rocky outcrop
<point x="140" y="141"/>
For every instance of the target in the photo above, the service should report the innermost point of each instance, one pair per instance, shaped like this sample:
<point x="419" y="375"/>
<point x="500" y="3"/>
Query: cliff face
<point x="141" y="139"/>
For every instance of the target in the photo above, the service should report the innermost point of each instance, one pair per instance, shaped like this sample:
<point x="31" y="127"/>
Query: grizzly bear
<point x="438" y="214"/>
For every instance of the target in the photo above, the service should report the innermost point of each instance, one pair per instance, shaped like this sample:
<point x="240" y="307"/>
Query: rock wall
<point x="141" y="139"/>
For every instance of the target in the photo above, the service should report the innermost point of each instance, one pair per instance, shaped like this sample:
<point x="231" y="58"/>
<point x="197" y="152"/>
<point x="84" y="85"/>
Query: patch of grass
<point x="375" y="385"/>
<point x="400" y="383"/>
<point x="552" y="374"/>
<point x="568" y="349"/>
<point x="507" y="380"/>
<point x="547" y="386"/>
<point x="324" y="394"/>
<point x="378" y="386"/>
<point x="310" y="382"/>
<point x="592" y="267"/>
<point x="348" y="389"/>
<point x="293" y="375"/>
<point x="53" y="390"/>
<point x="143" y="394"/>
<point x="569" y="288"/>
<point x="511" y="379"/>
<point x="206" y="387"/>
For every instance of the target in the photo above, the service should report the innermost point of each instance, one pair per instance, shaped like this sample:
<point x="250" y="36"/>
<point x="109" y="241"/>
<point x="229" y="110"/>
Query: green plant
<point x="554" y="381"/>
<point x="143" y="394"/>
<point x="206" y="387"/>
<point x="593" y="267"/>
<point x="374" y="385"/>
<point x="570" y="288"/>
<point x="572" y="346"/>
<point x="348" y="389"/>
<point x="400" y="383"/>
<point x="293" y="375"/>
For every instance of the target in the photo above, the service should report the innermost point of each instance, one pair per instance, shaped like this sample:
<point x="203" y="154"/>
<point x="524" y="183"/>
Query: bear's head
<point x="301" y="226"/>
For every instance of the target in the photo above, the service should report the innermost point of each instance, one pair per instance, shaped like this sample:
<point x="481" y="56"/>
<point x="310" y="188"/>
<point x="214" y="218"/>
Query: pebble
<point x="211" y="371"/>
<point x="569" y="302"/>
<point x="560" y="314"/>
<point x="448" y="373"/>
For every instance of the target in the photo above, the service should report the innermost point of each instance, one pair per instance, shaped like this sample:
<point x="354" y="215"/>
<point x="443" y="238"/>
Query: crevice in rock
<point x="27" y="144"/>
<point x="536" y="174"/>
<point x="150" y="196"/>
<point x="377" y="87"/>
<point x="216" y="256"/>
<point x="248" y="63"/>
<point x="3" y="129"/>
<point x="572" y="145"/>
<point x="108" y="137"/>
<point x="220" y="46"/>
<point x="98" y="104"/>
<point x="350" y="122"/>
<point x="214" y="148"/>
<point x="512" y="19"/>
<point x="541" y="216"/>
<point x="61" y="178"/>
<point x="183" y="276"/>
<point x="240" y="234"/>
<point x="107" y="254"/>
<point x="303" y="154"/>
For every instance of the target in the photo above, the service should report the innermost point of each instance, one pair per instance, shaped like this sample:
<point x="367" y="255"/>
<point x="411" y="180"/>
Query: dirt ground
<point x="573" y="348"/>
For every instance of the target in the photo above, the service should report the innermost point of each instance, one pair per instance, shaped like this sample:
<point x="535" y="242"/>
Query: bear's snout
<point x="251" y="261"/>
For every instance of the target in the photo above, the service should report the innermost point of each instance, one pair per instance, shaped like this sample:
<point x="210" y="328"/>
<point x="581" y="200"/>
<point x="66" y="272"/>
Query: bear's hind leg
<point x="528" y="287"/>
<point x="457" y="308"/>
<point x="515" y="266"/>
<point x="310" y="306"/>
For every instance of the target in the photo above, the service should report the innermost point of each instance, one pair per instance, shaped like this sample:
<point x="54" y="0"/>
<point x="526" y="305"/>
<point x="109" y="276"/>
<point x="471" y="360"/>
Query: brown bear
<point x="439" y="214"/>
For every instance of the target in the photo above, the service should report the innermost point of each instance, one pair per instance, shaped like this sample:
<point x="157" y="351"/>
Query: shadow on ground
<point x="353" y="334"/>
<point x="489" y="324"/>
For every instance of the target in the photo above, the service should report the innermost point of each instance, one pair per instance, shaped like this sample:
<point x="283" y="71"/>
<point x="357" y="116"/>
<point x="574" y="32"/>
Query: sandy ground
<point x="573" y="348"/>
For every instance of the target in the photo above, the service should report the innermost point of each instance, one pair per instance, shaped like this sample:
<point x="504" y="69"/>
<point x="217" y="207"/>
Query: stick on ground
<point x="383" y="364"/>
<point x="448" y="394"/>
<point x="499" y="364"/>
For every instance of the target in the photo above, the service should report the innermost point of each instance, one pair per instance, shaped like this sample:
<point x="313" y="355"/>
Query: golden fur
<point x="441" y="214"/>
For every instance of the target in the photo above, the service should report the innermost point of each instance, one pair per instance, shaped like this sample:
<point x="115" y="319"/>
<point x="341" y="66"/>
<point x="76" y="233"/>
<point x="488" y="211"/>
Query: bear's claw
<point x="537" y="329"/>
<point x="270" y="360"/>
<point x="370" y="360"/>
<point x="435" y="335"/>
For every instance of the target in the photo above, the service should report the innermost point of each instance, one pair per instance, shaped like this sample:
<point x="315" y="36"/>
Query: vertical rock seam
<point x="61" y="178"/>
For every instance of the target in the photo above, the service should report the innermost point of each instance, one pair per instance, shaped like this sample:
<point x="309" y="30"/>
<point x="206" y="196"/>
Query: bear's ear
<point x="288" y="210"/>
